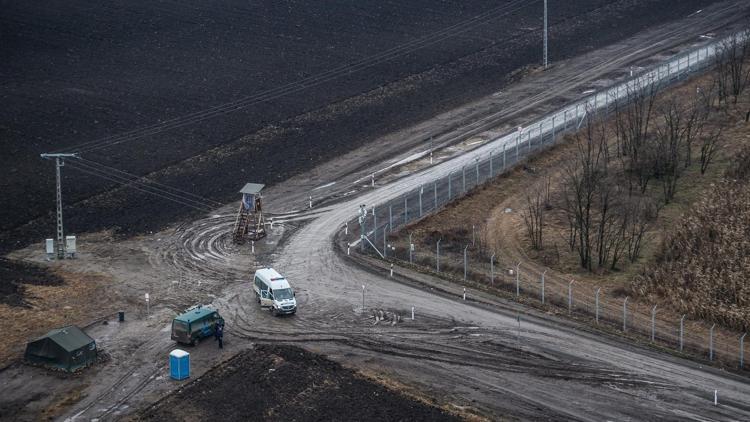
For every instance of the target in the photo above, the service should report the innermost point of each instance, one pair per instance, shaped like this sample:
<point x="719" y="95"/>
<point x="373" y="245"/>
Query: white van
<point x="272" y="289"/>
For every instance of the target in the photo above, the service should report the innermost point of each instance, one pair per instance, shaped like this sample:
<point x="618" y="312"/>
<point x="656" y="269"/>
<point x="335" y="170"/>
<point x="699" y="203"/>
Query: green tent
<point x="67" y="348"/>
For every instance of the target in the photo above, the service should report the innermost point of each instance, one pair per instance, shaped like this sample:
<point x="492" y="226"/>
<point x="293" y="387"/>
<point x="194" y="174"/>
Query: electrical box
<point x="50" y="246"/>
<point x="70" y="245"/>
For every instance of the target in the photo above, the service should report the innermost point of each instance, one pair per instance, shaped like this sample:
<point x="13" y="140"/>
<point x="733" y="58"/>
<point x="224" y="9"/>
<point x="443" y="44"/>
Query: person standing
<point x="220" y="335"/>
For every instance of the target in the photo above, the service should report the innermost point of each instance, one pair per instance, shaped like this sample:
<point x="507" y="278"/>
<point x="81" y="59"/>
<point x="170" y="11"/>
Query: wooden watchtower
<point x="249" y="223"/>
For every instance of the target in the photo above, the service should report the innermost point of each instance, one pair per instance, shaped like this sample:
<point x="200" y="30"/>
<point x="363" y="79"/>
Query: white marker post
<point x="412" y="313"/>
<point x="148" y="306"/>
<point x="391" y="270"/>
<point x="310" y="203"/>
<point x="348" y="246"/>
<point x="252" y="246"/>
<point x="464" y="293"/>
<point x="716" y="397"/>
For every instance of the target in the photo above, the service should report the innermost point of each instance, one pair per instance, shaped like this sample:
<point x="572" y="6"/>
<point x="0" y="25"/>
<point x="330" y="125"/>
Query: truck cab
<point x="273" y="290"/>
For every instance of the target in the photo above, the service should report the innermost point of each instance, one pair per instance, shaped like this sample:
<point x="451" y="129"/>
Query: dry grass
<point x="703" y="265"/>
<point x="76" y="301"/>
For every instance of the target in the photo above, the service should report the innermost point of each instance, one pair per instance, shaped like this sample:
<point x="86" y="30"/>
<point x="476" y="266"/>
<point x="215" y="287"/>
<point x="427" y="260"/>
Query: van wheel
<point x="273" y="311"/>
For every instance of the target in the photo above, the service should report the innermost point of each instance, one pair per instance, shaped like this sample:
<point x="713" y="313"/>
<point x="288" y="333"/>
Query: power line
<point x="308" y="82"/>
<point x="133" y="185"/>
<point x="105" y="168"/>
<point x="143" y="185"/>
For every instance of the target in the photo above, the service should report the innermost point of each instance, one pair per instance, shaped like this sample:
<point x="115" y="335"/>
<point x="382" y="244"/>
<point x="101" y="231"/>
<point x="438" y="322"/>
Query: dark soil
<point x="75" y="71"/>
<point x="286" y="383"/>
<point x="13" y="274"/>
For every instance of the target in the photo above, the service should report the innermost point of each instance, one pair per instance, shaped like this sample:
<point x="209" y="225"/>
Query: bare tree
<point x="582" y="178"/>
<point x="533" y="216"/>
<point x="709" y="146"/>
<point x="670" y="143"/>
<point x="547" y="193"/>
<point x="632" y="125"/>
<point x="732" y="71"/>
<point x="641" y="213"/>
<point x="697" y="116"/>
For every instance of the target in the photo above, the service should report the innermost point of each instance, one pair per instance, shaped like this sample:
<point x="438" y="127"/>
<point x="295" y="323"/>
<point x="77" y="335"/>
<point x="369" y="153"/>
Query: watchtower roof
<point x="252" y="188"/>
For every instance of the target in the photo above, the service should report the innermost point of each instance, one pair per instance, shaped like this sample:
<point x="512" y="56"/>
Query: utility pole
<point x="545" y="34"/>
<point x="362" y="220"/>
<point x="59" y="162"/>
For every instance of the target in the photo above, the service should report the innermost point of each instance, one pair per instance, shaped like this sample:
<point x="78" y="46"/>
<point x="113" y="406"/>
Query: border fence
<point x="376" y="229"/>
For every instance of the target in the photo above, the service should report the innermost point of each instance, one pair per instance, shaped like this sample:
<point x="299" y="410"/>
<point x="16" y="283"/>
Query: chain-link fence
<point x="376" y="230"/>
<point x="467" y="264"/>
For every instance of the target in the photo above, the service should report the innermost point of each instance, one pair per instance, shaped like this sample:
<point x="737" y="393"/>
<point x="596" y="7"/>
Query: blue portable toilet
<point x="179" y="364"/>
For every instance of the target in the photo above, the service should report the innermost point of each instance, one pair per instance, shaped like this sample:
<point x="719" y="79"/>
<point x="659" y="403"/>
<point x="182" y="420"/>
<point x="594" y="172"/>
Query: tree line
<point x="623" y="171"/>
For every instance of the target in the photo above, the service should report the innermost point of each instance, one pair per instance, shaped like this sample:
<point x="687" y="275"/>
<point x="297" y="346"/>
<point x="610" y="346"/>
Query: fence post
<point x="518" y="140"/>
<point x="477" y="166"/>
<point x="545" y="272"/>
<point x="437" y="257"/>
<point x="434" y="188"/>
<point x="570" y="297"/>
<point x="682" y="330"/>
<point x="411" y="248"/>
<point x="597" y="304"/>
<point x="490" y="164"/>
<point x="518" y="270"/>
<point x="390" y="216"/>
<point x="465" y="259"/>
<point x="653" y="323"/>
<point x="742" y="351"/>
<point x="541" y="138"/>
<point x="449" y="185"/>
<point x="463" y="179"/>
<point x="565" y="119"/>
<point x="711" y="343"/>
<point x="624" y="314"/>
<point x="406" y="210"/>
<point x="553" y="129"/>
<point x="421" y="191"/>
<point x="385" y="243"/>
<point x="374" y="226"/>
<point x="528" y="141"/>
<point x="503" y="157"/>
<point x="473" y="235"/>
<point x="492" y="270"/>
<point x="362" y="221"/>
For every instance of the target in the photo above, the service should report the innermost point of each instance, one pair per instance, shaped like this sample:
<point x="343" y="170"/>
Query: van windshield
<point x="179" y="327"/>
<point x="282" y="294"/>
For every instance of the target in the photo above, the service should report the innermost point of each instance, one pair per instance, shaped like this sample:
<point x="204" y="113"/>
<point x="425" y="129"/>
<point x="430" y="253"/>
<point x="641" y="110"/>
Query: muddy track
<point x="464" y="353"/>
<point x="514" y="108"/>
